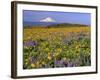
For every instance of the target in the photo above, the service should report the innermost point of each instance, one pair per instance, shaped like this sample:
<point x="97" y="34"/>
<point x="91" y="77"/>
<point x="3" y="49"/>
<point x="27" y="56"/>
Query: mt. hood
<point x="48" y="19"/>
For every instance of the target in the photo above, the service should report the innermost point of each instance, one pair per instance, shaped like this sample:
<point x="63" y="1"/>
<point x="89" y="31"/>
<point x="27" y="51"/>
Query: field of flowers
<point x="56" y="47"/>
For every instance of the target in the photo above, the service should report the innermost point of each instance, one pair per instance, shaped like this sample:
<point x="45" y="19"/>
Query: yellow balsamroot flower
<point x="26" y="60"/>
<point x="37" y="63"/>
<point x="83" y="45"/>
<point x="56" y="54"/>
<point x="64" y="46"/>
<point x="64" y="58"/>
<point x="25" y="47"/>
<point x="59" y="50"/>
<point x="77" y="46"/>
<point x="49" y="57"/>
<point x="77" y="54"/>
<point x="46" y="49"/>
<point x="26" y="63"/>
<point x="43" y="62"/>
<point x="79" y="49"/>
<point x="33" y="65"/>
<point x="49" y="54"/>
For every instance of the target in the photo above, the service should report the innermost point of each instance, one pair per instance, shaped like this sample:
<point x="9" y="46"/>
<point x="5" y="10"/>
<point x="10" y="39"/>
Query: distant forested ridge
<point x="61" y="25"/>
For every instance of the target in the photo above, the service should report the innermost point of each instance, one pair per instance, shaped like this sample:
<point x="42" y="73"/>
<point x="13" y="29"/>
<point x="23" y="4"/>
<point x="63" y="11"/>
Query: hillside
<point x="61" y="25"/>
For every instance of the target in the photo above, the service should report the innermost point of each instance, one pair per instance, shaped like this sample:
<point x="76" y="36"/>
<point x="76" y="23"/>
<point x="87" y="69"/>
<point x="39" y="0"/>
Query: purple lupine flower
<point x="70" y="64"/>
<point x="59" y="63"/>
<point x="32" y="60"/>
<point x="65" y="64"/>
<point x="30" y="43"/>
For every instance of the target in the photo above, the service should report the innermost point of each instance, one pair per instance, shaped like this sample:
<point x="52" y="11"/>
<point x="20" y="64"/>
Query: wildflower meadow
<point x="45" y="47"/>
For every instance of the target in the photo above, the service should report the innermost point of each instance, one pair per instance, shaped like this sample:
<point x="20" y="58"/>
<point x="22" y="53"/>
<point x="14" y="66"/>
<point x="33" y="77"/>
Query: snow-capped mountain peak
<point x="48" y="19"/>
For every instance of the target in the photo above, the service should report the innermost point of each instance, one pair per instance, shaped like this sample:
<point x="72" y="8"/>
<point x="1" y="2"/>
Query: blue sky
<point x="59" y="17"/>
